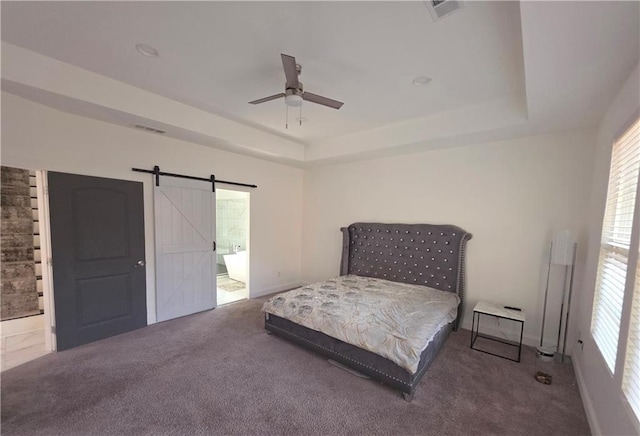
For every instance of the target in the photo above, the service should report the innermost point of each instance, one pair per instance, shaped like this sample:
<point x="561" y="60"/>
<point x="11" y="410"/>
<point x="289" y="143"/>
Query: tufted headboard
<point x="419" y="254"/>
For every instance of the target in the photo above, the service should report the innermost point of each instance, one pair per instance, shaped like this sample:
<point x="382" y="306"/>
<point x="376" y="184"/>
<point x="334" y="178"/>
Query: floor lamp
<point x="562" y="252"/>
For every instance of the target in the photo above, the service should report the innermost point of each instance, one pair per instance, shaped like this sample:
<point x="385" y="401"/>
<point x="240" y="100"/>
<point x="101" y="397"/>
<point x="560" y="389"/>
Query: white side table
<point x="484" y="308"/>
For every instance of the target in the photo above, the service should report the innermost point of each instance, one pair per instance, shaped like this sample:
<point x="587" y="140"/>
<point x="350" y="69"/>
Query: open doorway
<point x="232" y="236"/>
<point x="25" y="321"/>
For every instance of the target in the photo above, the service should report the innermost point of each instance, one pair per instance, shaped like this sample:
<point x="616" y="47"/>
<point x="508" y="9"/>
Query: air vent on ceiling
<point x="148" y="129"/>
<point x="441" y="8"/>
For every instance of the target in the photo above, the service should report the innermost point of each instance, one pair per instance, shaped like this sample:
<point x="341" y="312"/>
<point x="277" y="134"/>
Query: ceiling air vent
<point x="148" y="129"/>
<point x="441" y="8"/>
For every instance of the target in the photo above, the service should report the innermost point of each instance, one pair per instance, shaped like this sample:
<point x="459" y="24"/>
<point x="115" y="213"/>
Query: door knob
<point x="139" y="264"/>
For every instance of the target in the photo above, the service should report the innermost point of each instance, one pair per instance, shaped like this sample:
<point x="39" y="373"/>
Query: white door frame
<point x="42" y="189"/>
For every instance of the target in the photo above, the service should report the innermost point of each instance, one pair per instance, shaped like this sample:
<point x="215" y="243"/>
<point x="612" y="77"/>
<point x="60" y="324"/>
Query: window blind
<point x="631" y="376"/>
<point x="615" y="244"/>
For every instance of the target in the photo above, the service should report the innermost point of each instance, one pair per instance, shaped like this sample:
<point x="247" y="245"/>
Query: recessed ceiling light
<point x="421" y="81"/>
<point x="147" y="50"/>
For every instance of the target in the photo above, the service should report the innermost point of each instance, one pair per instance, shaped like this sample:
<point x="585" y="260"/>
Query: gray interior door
<point x="97" y="245"/>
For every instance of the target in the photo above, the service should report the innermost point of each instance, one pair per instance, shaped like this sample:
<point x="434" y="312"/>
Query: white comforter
<point x="394" y="320"/>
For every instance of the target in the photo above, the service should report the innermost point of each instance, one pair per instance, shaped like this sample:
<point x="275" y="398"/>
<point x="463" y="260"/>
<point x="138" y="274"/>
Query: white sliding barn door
<point x="185" y="223"/>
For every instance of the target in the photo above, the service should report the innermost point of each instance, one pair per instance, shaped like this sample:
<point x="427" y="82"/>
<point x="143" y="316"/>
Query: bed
<point x="399" y="295"/>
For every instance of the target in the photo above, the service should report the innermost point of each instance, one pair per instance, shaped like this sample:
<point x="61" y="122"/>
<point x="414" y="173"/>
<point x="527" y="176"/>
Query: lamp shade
<point x="562" y="249"/>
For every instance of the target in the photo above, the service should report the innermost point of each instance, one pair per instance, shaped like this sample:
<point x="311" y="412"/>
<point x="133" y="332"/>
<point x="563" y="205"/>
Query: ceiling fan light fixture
<point x="293" y="100"/>
<point x="294" y="92"/>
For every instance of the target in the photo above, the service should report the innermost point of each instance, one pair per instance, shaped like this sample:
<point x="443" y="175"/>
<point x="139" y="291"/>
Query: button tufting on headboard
<point x="403" y="245"/>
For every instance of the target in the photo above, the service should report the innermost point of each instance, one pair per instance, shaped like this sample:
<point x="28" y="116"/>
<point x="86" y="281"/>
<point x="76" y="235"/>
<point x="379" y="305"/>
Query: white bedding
<point x="394" y="320"/>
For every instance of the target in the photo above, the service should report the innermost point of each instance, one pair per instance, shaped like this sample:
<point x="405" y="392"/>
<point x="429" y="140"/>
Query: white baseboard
<point x="273" y="289"/>
<point x="586" y="400"/>
<point x="20" y="326"/>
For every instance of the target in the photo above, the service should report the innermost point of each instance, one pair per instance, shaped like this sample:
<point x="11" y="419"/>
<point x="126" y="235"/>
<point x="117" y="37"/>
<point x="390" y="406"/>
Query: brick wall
<point x="18" y="291"/>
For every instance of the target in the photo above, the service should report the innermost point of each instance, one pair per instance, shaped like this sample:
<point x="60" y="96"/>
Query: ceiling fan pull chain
<point x="300" y="117"/>
<point x="286" y="117"/>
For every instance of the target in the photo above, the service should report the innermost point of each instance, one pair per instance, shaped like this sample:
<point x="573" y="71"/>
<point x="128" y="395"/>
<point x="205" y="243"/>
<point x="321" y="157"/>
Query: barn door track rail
<point x="157" y="173"/>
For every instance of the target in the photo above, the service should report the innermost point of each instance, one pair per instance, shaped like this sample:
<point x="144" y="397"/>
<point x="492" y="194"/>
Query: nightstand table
<point x="484" y="308"/>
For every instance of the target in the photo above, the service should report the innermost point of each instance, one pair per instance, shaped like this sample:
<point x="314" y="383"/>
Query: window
<point x="618" y="279"/>
<point x="616" y="244"/>
<point x="631" y="376"/>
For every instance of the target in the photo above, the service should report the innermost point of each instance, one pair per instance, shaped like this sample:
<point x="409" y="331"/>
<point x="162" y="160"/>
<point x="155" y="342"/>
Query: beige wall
<point x="37" y="137"/>
<point x="510" y="195"/>
<point x="604" y="402"/>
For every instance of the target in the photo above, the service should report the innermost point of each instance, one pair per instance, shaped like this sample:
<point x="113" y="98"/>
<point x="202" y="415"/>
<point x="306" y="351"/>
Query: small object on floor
<point x="545" y="354"/>
<point x="543" y="378"/>
<point x="231" y="285"/>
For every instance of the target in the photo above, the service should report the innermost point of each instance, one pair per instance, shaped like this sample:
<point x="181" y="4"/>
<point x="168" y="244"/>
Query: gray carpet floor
<point x="218" y="372"/>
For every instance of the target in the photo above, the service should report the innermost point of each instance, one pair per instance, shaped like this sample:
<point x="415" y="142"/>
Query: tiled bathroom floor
<point x="227" y="296"/>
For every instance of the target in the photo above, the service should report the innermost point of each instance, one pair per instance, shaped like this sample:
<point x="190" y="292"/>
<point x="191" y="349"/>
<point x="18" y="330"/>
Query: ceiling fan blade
<point x="314" y="98"/>
<point x="290" y="71"/>
<point x="271" y="97"/>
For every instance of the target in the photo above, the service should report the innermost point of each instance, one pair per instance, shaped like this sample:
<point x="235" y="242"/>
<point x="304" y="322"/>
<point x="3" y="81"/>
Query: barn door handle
<point x="139" y="264"/>
<point x="214" y="245"/>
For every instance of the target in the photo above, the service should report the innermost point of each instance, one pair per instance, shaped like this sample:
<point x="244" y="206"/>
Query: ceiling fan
<point x="294" y="92"/>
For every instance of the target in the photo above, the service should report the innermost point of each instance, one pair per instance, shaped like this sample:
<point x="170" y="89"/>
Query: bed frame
<point x="420" y="254"/>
